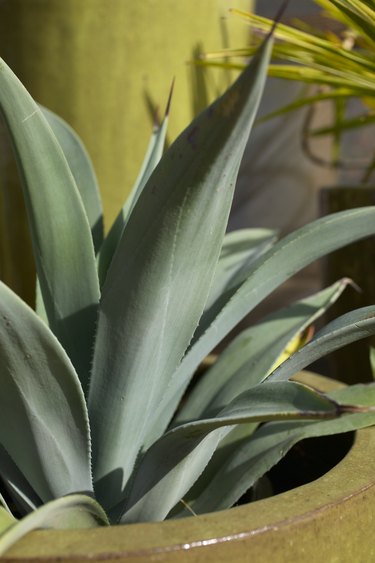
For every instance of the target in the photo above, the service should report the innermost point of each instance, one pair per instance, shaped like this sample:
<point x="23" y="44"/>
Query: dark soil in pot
<point x="307" y="461"/>
<point x="350" y="364"/>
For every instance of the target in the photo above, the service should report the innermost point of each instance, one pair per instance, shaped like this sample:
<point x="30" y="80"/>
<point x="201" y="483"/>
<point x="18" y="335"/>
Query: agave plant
<point x="340" y="61"/>
<point x="91" y="431"/>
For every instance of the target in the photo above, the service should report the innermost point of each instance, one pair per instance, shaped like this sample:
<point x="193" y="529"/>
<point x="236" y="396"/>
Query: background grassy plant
<point x="337" y="56"/>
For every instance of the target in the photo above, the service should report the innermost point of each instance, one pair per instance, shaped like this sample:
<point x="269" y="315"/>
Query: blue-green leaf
<point x="171" y="466"/>
<point x="70" y="512"/>
<point x="251" y="355"/>
<point x="240" y="248"/>
<point x="342" y="331"/>
<point x="153" y="155"/>
<point x="14" y="481"/>
<point x="43" y="415"/>
<point x="159" y="279"/>
<point x="66" y="269"/>
<point x="284" y="259"/>
<point x="252" y="458"/>
<point x="83" y="172"/>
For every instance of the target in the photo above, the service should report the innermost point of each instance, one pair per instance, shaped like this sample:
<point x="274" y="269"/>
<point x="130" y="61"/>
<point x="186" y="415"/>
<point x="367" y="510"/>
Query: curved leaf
<point x="249" y="358"/>
<point x="159" y="279"/>
<point x="70" y="512"/>
<point x="171" y="466"/>
<point x="284" y="259"/>
<point x="356" y="14"/>
<point x="229" y="276"/>
<point x="240" y="248"/>
<point x="19" y="489"/>
<point x="153" y="155"/>
<point x="252" y="458"/>
<point x="66" y="268"/>
<point x="83" y="172"/>
<point x="225" y="451"/>
<point x="6" y="520"/>
<point x="43" y="416"/>
<point x="342" y="331"/>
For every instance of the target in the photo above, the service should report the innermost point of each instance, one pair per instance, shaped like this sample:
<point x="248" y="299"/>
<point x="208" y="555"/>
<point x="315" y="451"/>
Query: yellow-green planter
<point x="330" y="519"/>
<point x="104" y="66"/>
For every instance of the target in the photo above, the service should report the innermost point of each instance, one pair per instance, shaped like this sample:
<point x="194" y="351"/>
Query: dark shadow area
<point x="112" y="480"/>
<point x="308" y="460"/>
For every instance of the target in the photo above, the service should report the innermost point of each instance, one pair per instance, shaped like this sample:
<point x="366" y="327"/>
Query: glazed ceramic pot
<point x="329" y="519"/>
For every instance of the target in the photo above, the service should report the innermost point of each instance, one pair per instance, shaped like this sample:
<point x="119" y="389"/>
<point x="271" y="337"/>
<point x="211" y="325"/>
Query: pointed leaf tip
<point x="279" y="15"/>
<point x="169" y="102"/>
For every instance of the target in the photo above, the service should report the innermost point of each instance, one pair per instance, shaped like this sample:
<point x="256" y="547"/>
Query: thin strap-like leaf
<point x="159" y="279"/>
<point x="250" y="459"/>
<point x="173" y="463"/>
<point x="62" y="242"/>
<point x="357" y="14"/>
<point x="153" y="155"/>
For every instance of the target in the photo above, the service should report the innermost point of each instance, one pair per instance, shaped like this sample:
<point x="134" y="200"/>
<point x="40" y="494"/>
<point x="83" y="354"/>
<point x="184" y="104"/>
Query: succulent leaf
<point x="43" y="415"/>
<point x="66" y="269"/>
<point x="342" y="331"/>
<point x="83" y="172"/>
<point x="159" y="279"/>
<point x="284" y="259"/>
<point x="175" y="461"/>
<point x="72" y="511"/>
<point x="250" y="458"/>
<point x="173" y="286"/>
<point x="250" y="356"/>
<point x="239" y="250"/>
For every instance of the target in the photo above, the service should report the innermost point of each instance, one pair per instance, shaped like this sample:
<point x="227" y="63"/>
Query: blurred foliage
<point x="336" y="54"/>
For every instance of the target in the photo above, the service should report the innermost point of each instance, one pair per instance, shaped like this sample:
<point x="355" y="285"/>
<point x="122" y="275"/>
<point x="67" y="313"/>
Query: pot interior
<point x="307" y="461"/>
